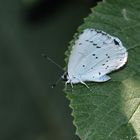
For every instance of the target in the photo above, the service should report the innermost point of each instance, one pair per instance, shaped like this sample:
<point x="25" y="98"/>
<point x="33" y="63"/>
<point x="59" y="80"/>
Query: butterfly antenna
<point x="56" y="83"/>
<point x="52" y="61"/>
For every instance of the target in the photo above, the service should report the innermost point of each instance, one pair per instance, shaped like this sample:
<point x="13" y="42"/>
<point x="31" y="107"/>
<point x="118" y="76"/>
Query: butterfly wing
<point x="94" y="55"/>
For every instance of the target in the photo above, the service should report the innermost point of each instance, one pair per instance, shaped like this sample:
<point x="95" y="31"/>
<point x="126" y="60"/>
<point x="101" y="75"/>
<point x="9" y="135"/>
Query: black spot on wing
<point x="107" y="55"/>
<point x="107" y="67"/>
<point x="98" y="47"/>
<point x="98" y="31"/>
<point x="83" y="65"/>
<point x="103" y="33"/>
<point x="94" y="44"/>
<point x="116" y="42"/>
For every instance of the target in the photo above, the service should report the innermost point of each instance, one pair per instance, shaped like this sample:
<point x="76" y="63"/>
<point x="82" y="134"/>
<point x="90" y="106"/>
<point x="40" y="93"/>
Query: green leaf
<point x="111" y="110"/>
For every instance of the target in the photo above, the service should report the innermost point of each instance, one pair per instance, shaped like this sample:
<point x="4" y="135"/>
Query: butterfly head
<point x="64" y="77"/>
<point x="70" y="78"/>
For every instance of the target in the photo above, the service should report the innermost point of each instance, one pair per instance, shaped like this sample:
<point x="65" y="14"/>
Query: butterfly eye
<point x="64" y="77"/>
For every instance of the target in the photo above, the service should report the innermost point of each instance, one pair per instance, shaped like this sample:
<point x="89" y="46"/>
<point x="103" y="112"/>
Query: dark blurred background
<point x="29" y="108"/>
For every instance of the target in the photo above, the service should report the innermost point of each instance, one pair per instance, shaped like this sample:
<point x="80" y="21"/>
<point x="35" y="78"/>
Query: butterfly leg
<point x="69" y="82"/>
<point x="87" y="86"/>
<point x="66" y="84"/>
<point x="84" y="84"/>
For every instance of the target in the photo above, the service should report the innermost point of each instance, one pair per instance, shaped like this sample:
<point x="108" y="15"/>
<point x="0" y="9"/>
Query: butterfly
<point x="94" y="55"/>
